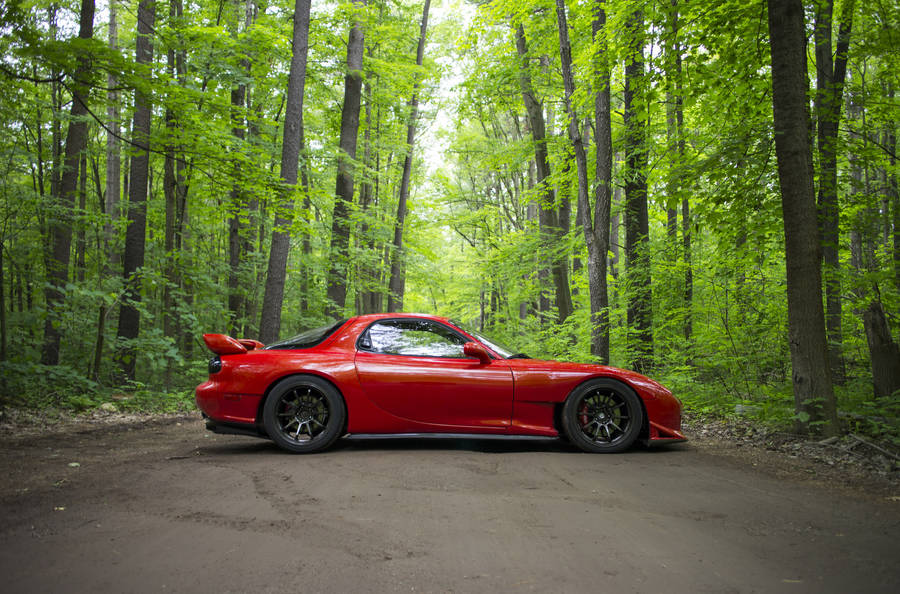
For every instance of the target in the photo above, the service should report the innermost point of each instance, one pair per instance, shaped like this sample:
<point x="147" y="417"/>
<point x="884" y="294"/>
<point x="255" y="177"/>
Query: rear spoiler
<point x="222" y="344"/>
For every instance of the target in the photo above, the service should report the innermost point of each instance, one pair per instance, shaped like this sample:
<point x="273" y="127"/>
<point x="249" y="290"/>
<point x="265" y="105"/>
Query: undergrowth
<point x="773" y="405"/>
<point x="33" y="386"/>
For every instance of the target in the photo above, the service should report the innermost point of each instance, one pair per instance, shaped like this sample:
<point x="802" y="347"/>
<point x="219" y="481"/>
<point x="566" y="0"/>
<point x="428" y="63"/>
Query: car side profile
<point x="394" y="375"/>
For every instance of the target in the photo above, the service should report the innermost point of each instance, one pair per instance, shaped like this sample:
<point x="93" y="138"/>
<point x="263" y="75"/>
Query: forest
<point x="704" y="191"/>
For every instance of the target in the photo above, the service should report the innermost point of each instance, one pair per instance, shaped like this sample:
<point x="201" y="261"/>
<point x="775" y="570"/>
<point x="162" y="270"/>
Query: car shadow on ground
<point x="484" y="446"/>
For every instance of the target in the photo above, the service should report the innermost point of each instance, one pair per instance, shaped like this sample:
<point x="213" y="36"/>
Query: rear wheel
<point x="304" y="414"/>
<point x="602" y="416"/>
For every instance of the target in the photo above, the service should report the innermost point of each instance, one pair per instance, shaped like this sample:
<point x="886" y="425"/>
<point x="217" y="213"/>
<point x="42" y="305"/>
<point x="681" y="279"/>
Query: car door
<point x="415" y="369"/>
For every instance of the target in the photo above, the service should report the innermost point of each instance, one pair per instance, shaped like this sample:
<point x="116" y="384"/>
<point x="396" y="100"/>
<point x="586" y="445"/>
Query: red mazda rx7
<point x="413" y="375"/>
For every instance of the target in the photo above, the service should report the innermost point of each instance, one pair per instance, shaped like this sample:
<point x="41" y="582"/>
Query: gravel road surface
<point x="167" y="507"/>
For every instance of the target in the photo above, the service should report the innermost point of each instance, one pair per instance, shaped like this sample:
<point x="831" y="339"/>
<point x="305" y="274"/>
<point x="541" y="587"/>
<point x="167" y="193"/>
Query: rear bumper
<point x="225" y="428"/>
<point x="226" y="407"/>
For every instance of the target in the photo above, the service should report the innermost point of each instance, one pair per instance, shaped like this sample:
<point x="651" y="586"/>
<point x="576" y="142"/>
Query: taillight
<point x="215" y="365"/>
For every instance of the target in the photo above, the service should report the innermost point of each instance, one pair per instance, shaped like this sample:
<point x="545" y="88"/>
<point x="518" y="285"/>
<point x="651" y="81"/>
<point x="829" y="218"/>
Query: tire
<point x="602" y="416"/>
<point x="304" y="414"/>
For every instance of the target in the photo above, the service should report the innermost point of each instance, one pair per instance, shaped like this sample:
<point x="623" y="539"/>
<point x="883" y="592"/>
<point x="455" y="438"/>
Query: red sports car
<point x="394" y="375"/>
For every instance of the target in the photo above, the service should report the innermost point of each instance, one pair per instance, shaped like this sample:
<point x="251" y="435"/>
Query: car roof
<point x="385" y="316"/>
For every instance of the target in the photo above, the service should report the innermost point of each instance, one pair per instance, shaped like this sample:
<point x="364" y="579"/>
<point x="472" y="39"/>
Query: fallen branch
<point x="875" y="447"/>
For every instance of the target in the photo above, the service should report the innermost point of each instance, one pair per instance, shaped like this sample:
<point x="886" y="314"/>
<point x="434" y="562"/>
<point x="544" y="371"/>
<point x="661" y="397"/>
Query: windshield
<point x="501" y="350"/>
<point x="308" y="339"/>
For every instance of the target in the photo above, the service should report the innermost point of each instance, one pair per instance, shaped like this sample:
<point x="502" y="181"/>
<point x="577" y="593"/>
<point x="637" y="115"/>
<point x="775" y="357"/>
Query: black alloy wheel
<point x="304" y="414"/>
<point x="602" y="416"/>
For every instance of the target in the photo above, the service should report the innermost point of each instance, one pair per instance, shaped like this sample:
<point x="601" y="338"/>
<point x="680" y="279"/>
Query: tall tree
<point x="677" y="146"/>
<point x="61" y="224"/>
<point x="113" y="150"/>
<point x="368" y="272"/>
<point x="237" y="244"/>
<point x="637" y="223"/>
<point x="270" y="322"/>
<point x="830" y="74"/>
<point x="813" y="391"/>
<point x="599" y="229"/>
<point x="397" y="283"/>
<point x="596" y="237"/>
<point x="139" y="178"/>
<point x="111" y="197"/>
<point x="174" y="186"/>
<point x="340" y="224"/>
<point x="547" y="211"/>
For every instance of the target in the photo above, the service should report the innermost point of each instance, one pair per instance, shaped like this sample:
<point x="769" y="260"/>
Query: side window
<point x="412" y="337"/>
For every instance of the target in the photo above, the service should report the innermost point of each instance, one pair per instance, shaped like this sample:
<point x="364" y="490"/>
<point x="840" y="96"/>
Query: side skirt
<point x="495" y="436"/>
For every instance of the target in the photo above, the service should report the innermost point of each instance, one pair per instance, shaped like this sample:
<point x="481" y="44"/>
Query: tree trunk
<point x="113" y="150"/>
<point x="830" y="76"/>
<point x="237" y="225"/>
<point x="547" y="215"/>
<point x="61" y="225"/>
<point x="688" y="268"/>
<point x="81" y="236"/>
<point x="676" y="181"/>
<point x="894" y="192"/>
<point x="672" y="182"/>
<point x="637" y="226"/>
<point x="3" y="307"/>
<point x="340" y="224"/>
<point x="173" y="187"/>
<point x="365" y="271"/>
<point x="235" y="218"/>
<point x="813" y="392"/>
<point x="397" y="283"/>
<point x="306" y="243"/>
<point x="136" y="233"/>
<point x="614" y="225"/>
<point x="270" y="319"/>
<point x="600" y="229"/>
<point x="596" y="227"/>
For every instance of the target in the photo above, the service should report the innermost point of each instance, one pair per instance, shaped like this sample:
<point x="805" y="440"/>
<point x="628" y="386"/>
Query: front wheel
<point x="602" y="416"/>
<point x="304" y="414"/>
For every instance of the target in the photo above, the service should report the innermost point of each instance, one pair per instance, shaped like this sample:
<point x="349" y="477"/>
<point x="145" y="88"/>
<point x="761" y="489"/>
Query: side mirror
<point x="474" y="349"/>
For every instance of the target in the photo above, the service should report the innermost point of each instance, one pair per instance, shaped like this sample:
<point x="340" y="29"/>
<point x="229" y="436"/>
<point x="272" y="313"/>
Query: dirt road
<point x="170" y="508"/>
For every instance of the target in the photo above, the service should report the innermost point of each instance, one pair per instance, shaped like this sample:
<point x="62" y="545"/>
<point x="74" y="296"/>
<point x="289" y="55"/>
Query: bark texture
<point x="596" y="226"/>
<point x="174" y="187"/>
<point x="830" y="75"/>
<point x="397" y="282"/>
<point x="113" y="147"/>
<point x="340" y="223"/>
<point x="811" y="374"/>
<point x="637" y="225"/>
<point x="547" y="213"/>
<point x="61" y="225"/>
<point x="136" y="232"/>
<point x="676" y="181"/>
<point x="270" y="318"/>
